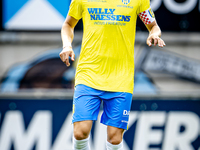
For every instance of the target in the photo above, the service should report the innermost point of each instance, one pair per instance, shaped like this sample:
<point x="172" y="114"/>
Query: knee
<point x="114" y="139"/>
<point x="81" y="131"/>
<point x="114" y="135"/>
<point x="78" y="135"/>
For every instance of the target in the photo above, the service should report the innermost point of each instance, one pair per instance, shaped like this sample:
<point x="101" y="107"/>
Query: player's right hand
<point x="66" y="53"/>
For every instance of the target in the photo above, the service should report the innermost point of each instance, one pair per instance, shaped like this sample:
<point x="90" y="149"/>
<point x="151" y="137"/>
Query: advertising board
<point x="171" y="15"/>
<point x="46" y="125"/>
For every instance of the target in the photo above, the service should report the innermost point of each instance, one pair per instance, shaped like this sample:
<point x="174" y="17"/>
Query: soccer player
<point x="105" y="71"/>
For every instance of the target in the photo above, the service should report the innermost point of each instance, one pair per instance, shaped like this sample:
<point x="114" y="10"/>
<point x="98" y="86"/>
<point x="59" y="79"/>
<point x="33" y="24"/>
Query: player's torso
<point x="107" y="55"/>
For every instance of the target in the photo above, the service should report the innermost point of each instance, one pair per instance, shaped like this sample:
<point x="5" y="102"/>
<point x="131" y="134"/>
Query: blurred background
<point x="36" y="88"/>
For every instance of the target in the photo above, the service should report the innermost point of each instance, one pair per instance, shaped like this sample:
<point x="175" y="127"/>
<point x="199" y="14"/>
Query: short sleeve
<point x="75" y="9"/>
<point x="144" y="5"/>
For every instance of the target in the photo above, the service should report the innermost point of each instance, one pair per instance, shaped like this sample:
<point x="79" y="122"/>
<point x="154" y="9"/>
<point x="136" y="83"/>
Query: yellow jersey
<point x="107" y="54"/>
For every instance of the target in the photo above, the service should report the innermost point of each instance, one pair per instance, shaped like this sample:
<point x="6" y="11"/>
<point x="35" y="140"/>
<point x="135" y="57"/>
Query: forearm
<point x="67" y="34"/>
<point x="155" y="30"/>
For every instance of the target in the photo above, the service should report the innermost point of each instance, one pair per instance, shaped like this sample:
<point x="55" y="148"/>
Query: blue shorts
<point x="116" y="106"/>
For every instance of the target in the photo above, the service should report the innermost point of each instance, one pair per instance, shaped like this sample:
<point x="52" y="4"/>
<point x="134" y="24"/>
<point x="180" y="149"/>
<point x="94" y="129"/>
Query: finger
<point x="149" y="42"/>
<point x="73" y="56"/>
<point x="155" y="41"/>
<point x="62" y="57"/>
<point x="160" y="43"/>
<point x="164" y="43"/>
<point x="67" y="60"/>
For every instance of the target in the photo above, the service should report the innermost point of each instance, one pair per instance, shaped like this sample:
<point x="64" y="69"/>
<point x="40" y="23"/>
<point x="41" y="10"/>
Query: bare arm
<point x="154" y="35"/>
<point x="67" y="35"/>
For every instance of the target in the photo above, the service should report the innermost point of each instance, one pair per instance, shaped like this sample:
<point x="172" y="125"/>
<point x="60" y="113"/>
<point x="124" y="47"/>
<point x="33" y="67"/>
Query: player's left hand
<point x="155" y="40"/>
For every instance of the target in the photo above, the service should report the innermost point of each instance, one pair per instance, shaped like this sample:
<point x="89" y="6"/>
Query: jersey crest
<point x="126" y="2"/>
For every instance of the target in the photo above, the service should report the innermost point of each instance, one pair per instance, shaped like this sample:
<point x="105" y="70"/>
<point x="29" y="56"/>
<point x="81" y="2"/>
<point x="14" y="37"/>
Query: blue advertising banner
<point x="46" y="125"/>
